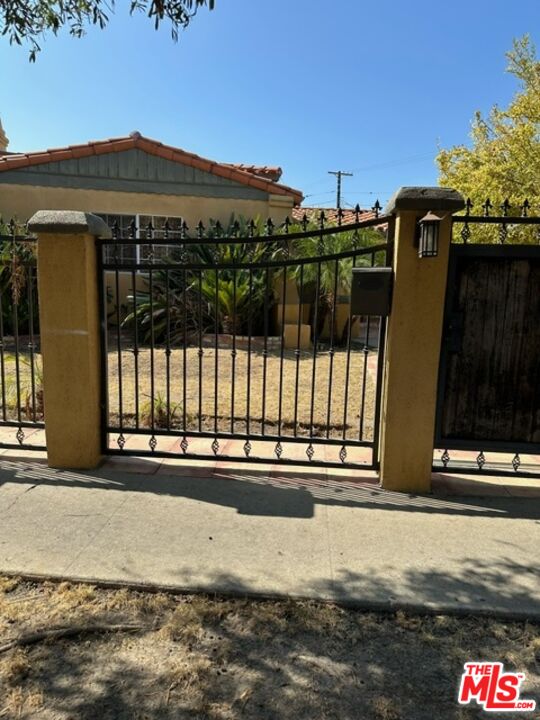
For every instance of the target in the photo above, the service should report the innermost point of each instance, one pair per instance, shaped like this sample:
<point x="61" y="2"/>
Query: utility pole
<point x="339" y="174"/>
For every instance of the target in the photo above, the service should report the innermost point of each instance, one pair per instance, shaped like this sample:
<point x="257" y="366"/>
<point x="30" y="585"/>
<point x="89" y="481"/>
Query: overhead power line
<point x="349" y="193"/>
<point x="395" y="163"/>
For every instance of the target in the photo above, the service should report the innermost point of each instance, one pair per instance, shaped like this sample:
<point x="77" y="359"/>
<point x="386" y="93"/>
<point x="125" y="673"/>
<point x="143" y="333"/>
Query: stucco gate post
<point x="414" y="339"/>
<point x="70" y="334"/>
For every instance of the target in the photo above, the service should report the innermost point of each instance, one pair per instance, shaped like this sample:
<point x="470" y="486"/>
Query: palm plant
<point x="227" y="297"/>
<point x="234" y="297"/>
<point x="322" y="281"/>
<point x="235" y="294"/>
<point x="168" y="308"/>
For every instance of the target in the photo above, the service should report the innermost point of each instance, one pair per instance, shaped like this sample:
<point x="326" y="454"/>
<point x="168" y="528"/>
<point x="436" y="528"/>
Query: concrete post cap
<point x="437" y="199"/>
<point x="68" y="222"/>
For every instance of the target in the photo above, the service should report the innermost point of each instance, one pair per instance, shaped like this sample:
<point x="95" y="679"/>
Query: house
<point x="136" y="178"/>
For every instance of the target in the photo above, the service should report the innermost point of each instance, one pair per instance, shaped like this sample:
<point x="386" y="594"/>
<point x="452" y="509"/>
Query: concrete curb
<point x="382" y="606"/>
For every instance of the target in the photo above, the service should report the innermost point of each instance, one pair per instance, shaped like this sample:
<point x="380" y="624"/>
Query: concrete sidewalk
<point x="288" y="532"/>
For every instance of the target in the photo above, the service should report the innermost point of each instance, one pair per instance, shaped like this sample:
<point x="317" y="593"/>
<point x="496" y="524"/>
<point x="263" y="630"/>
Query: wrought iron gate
<point x="21" y="393"/>
<point x="238" y="343"/>
<point x="488" y="414"/>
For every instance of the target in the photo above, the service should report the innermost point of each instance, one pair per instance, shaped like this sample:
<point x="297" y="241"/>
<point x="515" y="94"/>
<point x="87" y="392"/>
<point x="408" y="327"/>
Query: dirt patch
<point x="222" y="659"/>
<point x="275" y="391"/>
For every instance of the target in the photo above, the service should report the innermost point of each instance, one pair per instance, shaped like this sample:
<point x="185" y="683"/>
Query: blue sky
<point x="312" y="86"/>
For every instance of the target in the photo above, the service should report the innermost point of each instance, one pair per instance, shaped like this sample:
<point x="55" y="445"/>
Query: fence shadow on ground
<point x="278" y="493"/>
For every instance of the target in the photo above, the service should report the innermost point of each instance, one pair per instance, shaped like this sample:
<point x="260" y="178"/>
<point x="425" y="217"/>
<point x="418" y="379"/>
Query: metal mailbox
<point x="371" y="291"/>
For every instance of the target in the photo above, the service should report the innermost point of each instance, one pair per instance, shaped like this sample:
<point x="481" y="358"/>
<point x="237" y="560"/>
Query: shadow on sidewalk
<point x="278" y="494"/>
<point x="496" y="587"/>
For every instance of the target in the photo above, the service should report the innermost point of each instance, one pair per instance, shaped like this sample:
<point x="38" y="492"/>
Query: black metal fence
<point x="238" y="343"/>
<point x="488" y="414"/>
<point x="21" y="391"/>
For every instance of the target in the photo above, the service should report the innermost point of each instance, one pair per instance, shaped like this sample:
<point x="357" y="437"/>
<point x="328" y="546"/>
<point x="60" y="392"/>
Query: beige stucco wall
<point x="125" y="289"/>
<point x="412" y="358"/>
<point x="70" y="347"/>
<point x="22" y="201"/>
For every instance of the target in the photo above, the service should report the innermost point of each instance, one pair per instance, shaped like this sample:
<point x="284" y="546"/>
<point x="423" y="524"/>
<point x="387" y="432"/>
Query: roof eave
<point x="153" y="147"/>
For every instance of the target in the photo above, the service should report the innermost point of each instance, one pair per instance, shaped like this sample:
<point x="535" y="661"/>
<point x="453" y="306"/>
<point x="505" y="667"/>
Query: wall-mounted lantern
<point x="428" y="235"/>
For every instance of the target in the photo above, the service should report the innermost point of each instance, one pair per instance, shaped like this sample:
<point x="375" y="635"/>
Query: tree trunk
<point x="230" y="325"/>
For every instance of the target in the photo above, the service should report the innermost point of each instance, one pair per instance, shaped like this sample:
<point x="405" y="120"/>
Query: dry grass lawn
<point x="344" y="382"/>
<point x="16" y="386"/>
<point x="296" y="385"/>
<point x="221" y="659"/>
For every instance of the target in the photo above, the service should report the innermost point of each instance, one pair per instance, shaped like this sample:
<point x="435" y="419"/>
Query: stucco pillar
<point x="414" y="340"/>
<point x="70" y="334"/>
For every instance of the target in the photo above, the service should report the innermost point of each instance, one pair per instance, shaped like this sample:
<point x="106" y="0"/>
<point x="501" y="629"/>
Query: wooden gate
<point x="489" y="380"/>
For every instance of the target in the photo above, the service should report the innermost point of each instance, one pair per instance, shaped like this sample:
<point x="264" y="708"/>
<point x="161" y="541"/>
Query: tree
<point x="503" y="161"/>
<point x="30" y="20"/>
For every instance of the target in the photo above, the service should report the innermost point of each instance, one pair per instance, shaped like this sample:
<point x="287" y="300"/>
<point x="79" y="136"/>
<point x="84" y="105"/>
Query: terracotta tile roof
<point x="313" y="214"/>
<point x="270" y="173"/>
<point x="256" y="177"/>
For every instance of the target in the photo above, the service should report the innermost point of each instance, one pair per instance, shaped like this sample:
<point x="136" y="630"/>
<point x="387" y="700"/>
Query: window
<point x="127" y="254"/>
<point x="158" y="224"/>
